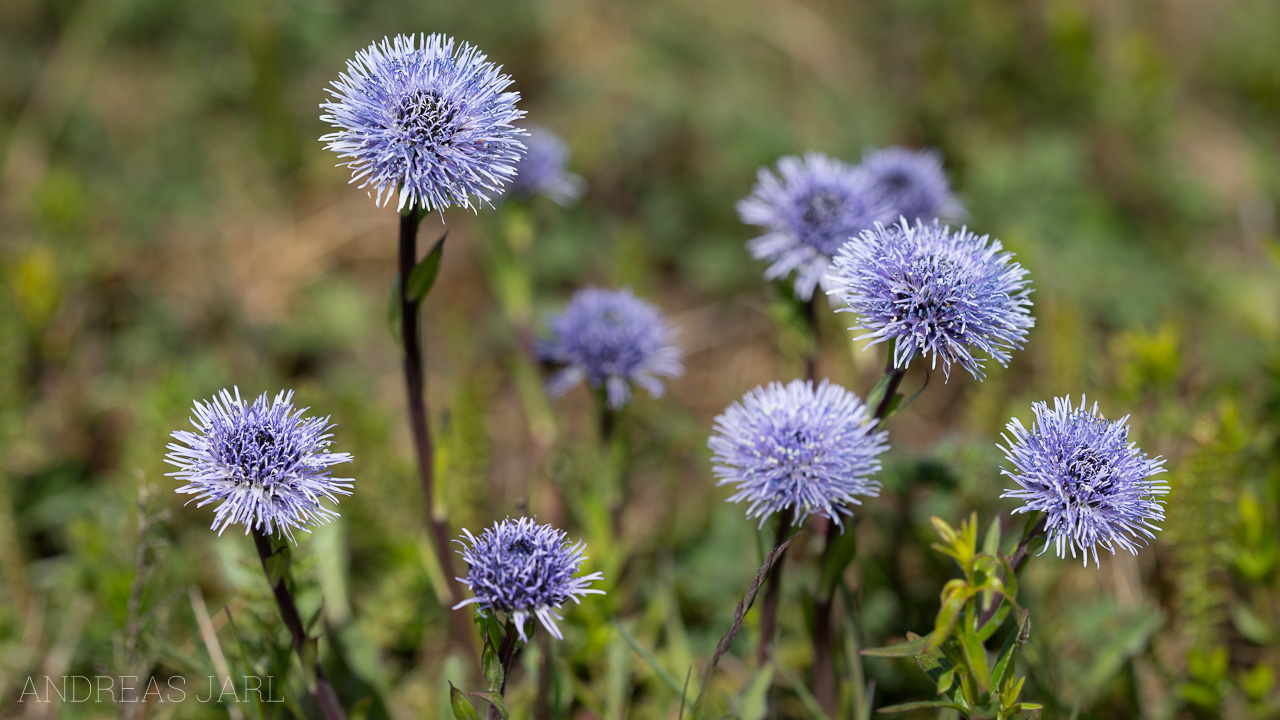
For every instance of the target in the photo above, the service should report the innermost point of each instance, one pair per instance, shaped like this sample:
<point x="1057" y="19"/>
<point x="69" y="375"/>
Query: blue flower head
<point x="266" y="464"/>
<point x="912" y="183"/>
<point x="808" y="210"/>
<point x="427" y="117"/>
<point x="542" y="170"/>
<point x="525" y="569"/>
<point x="937" y="292"/>
<point x="810" y="450"/>
<point x="611" y="339"/>
<point x="1094" y="487"/>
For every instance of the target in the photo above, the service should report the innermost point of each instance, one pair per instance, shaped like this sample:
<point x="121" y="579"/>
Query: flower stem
<point x="506" y="651"/>
<point x="1019" y="558"/>
<point x="824" y="678"/>
<point x="811" y="358"/>
<point x="326" y="698"/>
<point x="542" y="704"/>
<point x="825" y="625"/>
<point x="415" y="388"/>
<point x="769" y="610"/>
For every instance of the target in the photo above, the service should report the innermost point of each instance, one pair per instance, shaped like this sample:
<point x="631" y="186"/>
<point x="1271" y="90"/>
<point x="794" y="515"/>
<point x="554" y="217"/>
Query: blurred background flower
<point x="611" y="340"/>
<point x="810" y="207"/>
<point x="912" y="183"/>
<point x="544" y="169"/>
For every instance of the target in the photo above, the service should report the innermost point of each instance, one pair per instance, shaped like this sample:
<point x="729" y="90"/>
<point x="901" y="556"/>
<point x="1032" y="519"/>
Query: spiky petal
<point x="936" y="292"/>
<point x="526" y="570"/>
<point x="794" y="446"/>
<point x="1095" y="488"/>
<point x="808" y="210"/>
<point x="611" y="339"/>
<point x="265" y="463"/>
<point x="543" y="171"/>
<point x="912" y="183"/>
<point x="426" y="120"/>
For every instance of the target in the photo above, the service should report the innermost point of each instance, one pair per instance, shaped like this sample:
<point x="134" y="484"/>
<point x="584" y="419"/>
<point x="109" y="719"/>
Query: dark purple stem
<point x="415" y="388"/>
<point x="506" y="651"/>
<point x="811" y="360"/>
<point x="772" y="591"/>
<point x="824" y="620"/>
<point x="326" y="698"/>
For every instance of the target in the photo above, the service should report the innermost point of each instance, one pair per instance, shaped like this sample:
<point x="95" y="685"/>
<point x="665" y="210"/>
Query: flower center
<point x="821" y="220"/>
<point x="1089" y="477"/>
<point x="929" y="302"/>
<point x="427" y="118"/>
<point x="896" y="181"/>
<point x="257" y="454"/>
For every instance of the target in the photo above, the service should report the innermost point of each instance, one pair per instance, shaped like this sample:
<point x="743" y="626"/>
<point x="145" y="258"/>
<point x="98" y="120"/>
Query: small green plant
<point x="974" y="607"/>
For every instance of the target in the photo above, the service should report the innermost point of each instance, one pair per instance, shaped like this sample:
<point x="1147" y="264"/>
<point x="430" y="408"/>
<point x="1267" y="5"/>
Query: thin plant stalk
<point x="772" y="591"/>
<point x="506" y="650"/>
<point x="542" y="703"/>
<point x="825" y="627"/>
<point x="811" y="357"/>
<point x="326" y="698"/>
<point x="1019" y="558"/>
<point x="419" y="423"/>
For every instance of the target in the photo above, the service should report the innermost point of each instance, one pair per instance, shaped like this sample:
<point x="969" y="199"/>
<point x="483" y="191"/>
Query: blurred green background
<point x="171" y="226"/>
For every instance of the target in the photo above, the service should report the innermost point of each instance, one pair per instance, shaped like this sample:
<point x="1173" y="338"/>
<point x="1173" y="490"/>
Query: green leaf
<point x="278" y="566"/>
<point x="393" y="309"/>
<point x="649" y="659"/>
<point x="975" y="656"/>
<point x="310" y="655"/>
<point x="914" y="646"/>
<point x="1004" y="661"/>
<point x="947" y="617"/>
<point x="921" y="705"/>
<point x="361" y="710"/>
<point x="315" y="617"/>
<point x="810" y="703"/>
<point x="423" y="275"/>
<point x="839" y="554"/>
<point x="947" y="681"/>
<point x="494" y="699"/>
<point x="945" y="531"/>
<point x="932" y="662"/>
<point x="755" y="696"/>
<point x="462" y="707"/>
<point x="491" y="666"/>
<point x="991" y="543"/>
<point x="878" y="390"/>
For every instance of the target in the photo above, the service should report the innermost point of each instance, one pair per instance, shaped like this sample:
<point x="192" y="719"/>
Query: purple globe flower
<point x="794" y="447"/>
<point x="522" y="568"/>
<point x="1094" y="487"/>
<point x="611" y="339"/>
<point x="808" y="210"/>
<point x="912" y="183"/>
<point x="266" y="464"/>
<point x="428" y="117"/>
<point x="542" y="170"/>
<point x="935" y="292"/>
